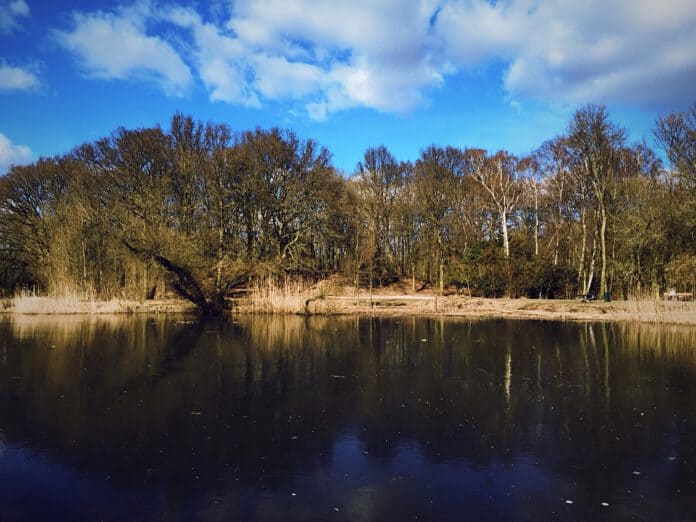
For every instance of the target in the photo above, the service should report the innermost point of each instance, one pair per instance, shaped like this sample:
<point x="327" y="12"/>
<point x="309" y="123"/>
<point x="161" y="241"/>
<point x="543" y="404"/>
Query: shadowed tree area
<point x="203" y="211"/>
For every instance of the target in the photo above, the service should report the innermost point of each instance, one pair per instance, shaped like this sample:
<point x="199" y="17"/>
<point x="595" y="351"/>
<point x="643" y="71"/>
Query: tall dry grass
<point x="285" y="296"/>
<point x="68" y="305"/>
<point x="66" y="302"/>
<point x="273" y="296"/>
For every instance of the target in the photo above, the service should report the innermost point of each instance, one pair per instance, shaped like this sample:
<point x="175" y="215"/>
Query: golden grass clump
<point x="270" y="295"/>
<point x="285" y="296"/>
<point x="67" y="304"/>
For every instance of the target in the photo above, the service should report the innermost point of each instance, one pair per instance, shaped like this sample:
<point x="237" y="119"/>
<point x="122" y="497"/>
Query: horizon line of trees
<point x="205" y="210"/>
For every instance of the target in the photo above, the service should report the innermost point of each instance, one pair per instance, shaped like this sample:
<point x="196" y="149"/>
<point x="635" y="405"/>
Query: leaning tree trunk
<point x="187" y="286"/>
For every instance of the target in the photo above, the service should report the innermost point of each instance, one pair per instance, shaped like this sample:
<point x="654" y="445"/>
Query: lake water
<point x="345" y="418"/>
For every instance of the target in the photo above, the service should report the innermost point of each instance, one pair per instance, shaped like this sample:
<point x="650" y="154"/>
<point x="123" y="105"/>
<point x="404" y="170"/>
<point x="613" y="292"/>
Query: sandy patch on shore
<point x="663" y="312"/>
<point x="566" y="310"/>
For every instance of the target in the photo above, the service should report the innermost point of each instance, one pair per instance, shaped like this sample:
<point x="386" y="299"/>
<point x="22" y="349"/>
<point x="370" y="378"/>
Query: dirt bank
<point x="663" y="312"/>
<point x="565" y="310"/>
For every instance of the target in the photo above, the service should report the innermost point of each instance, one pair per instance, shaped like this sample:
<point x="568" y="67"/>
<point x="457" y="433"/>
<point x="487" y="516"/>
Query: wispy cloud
<point x="17" y="78"/>
<point x="11" y="154"/>
<point x="10" y="14"/>
<point x="117" y="46"/>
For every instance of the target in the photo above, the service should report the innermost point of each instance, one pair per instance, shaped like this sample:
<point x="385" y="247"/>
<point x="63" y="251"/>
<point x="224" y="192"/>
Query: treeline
<point x="204" y="210"/>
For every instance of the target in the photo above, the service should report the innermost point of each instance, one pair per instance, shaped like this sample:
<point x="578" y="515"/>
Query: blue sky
<point x="349" y="73"/>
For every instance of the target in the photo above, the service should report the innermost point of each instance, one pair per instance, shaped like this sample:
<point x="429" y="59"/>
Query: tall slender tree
<point x="595" y="144"/>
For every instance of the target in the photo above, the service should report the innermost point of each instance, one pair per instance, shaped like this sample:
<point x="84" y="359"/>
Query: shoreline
<point x="655" y="312"/>
<point x="75" y="306"/>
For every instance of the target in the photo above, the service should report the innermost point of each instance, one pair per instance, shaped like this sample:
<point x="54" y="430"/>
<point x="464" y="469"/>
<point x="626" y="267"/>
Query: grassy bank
<point x="334" y="296"/>
<point x="35" y="305"/>
<point x="325" y="298"/>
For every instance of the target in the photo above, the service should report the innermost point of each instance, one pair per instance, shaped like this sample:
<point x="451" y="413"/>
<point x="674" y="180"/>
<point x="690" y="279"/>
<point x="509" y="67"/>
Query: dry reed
<point x="28" y="303"/>
<point x="68" y="305"/>
<point x="285" y="296"/>
<point x="272" y="296"/>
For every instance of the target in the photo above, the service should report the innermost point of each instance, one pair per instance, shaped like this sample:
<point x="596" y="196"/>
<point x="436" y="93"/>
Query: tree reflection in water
<point x="382" y="418"/>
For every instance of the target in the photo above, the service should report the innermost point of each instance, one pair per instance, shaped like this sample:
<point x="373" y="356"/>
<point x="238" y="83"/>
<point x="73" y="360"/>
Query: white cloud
<point x="387" y="54"/>
<point x="10" y="13"/>
<point x="328" y="57"/>
<point x="591" y="51"/>
<point x="116" y="46"/>
<point x="341" y="54"/>
<point x="11" y="154"/>
<point x="277" y="77"/>
<point x="17" y="78"/>
<point x="219" y="58"/>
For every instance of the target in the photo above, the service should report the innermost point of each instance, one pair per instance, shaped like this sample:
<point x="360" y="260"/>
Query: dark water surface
<point x="290" y="418"/>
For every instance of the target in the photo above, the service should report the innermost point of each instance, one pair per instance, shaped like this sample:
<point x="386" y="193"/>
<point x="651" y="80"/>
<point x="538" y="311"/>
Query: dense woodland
<point x="205" y="210"/>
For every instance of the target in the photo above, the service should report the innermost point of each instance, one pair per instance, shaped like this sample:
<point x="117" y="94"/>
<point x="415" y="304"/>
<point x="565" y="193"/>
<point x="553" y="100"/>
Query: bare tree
<point x="676" y="134"/>
<point x="595" y="143"/>
<point x="498" y="176"/>
<point x="438" y="171"/>
<point x="381" y="178"/>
